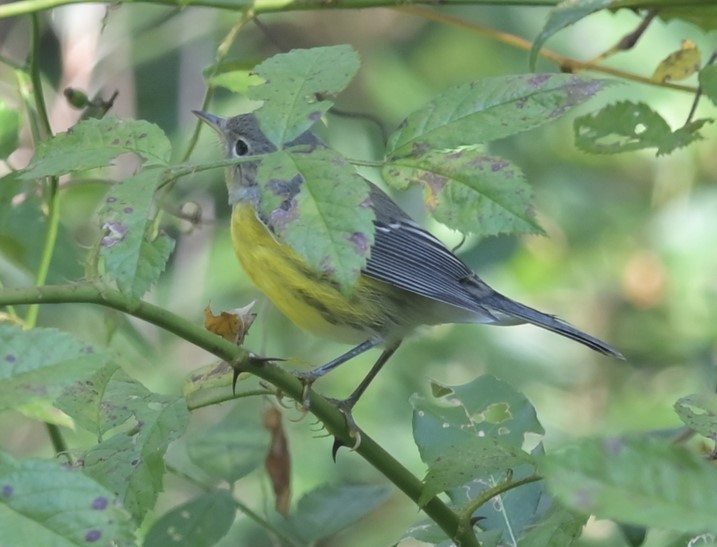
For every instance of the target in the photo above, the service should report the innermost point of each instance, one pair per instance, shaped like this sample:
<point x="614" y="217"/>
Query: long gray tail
<point x="498" y="302"/>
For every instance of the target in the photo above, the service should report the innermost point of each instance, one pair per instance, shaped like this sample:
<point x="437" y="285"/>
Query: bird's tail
<point x="511" y="308"/>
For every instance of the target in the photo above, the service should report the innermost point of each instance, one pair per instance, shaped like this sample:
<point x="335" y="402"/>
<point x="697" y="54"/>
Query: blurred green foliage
<point x="629" y="253"/>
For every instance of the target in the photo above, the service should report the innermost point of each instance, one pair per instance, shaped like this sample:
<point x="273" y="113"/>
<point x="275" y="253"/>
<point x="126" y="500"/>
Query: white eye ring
<point x="240" y="148"/>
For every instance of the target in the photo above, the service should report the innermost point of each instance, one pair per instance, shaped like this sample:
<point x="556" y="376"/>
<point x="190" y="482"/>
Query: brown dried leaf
<point x="278" y="460"/>
<point x="232" y="325"/>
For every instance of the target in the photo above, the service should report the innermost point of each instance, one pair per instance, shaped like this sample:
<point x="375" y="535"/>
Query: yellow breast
<point x="307" y="298"/>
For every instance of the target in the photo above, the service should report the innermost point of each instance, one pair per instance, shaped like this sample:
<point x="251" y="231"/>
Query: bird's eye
<point x="241" y="148"/>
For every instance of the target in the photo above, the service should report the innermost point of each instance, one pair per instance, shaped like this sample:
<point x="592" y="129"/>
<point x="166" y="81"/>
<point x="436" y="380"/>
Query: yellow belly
<point x="308" y="299"/>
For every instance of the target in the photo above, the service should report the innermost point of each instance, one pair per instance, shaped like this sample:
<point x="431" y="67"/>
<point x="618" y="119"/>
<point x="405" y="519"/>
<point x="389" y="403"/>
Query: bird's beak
<point x="215" y="122"/>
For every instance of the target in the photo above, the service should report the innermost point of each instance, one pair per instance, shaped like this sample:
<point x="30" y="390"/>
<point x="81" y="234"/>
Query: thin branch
<point x="487" y="495"/>
<point x="698" y="95"/>
<point x="566" y="63"/>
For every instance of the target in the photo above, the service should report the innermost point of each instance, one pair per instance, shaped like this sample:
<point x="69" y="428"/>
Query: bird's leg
<point x="309" y="377"/>
<point x="346" y="405"/>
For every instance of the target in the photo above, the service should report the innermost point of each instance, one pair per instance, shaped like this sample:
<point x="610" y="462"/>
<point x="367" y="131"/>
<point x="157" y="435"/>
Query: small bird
<point x="410" y="279"/>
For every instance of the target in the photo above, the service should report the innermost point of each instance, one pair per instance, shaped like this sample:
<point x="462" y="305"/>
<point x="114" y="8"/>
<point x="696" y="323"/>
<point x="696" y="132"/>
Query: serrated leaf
<point x="9" y="129"/>
<point x="489" y="109"/>
<point x="327" y="510"/>
<point x="104" y="400"/>
<point x="318" y="205"/>
<point x="485" y="407"/>
<point x="627" y="126"/>
<point x="293" y="80"/>
<point x="559" y="527"/>
<point x="200" y="522"/>
<point x="38" y="364"/>
<point x="46" y="503"/>
<point x="708" y="82"/>
<point x="679" y="64"/>
<point x="469" y="191"/>
<point x="705" y="17"/>
<point x="563" y="15"/>
<point x="129" y="463"/>
<point x="94" y="143"/>
<point x="129" y="259"/>
<point x="699" y="412"/>
<point x="234" y="447"/>
<point x="475" y="457"/>
<point x="639" y="481"/>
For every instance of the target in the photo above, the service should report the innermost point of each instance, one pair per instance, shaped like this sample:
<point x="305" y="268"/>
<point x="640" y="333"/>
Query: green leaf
<point x="104" y="400"/>
<point x="627" y="126"/>
<point x="234" y="447"/>
<point x="38" y="364"/>
<point x="9" y="129"/>
<point x="559" y="527"/>
<point x="699" y="412"/>
<point x="489" y="109"/>
<point x="680" y="64"/>
<point x="293" y="80"/>
<point x="327" y="510"/>
<point x="475" y="457"/>
<point x="484" y="408"/>
<point x="129" y="258"/>
<point x="94" y="143"/>
<point x="236" y="81"/>
<point x="708" y="82"/>
<point x="46" y="503"/>
<point x="131" y="463"/>
<point x="318" y="205"/>
<point x="200" y="522"/>
<point x="646" y="482"/>
<point x="563" y="15"/>
<point x="469" y="191"/>
<point x="705" y="17"/>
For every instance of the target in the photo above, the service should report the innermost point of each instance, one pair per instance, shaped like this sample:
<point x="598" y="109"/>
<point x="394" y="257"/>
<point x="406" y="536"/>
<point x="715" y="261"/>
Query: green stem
<point x="43" y="132"/>
<point x="487" y="495"/>
<point x="327" y="413"/>
<point x="222" y="398"/>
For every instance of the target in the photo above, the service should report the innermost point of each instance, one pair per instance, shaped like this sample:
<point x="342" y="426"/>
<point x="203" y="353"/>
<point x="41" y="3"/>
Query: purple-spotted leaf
<point x="43" y="502"/>
<point x="38" y="364"/>
<point x="131" y="462"/>
<point x="489" y="109"/>
<point x="131" y="259"/>
<point x="318" y="205"/>
<point x="647" y="482"/>
<point x="468" y="190"/>
<point x="94" y="143"/>
<point x="294" y="81"/>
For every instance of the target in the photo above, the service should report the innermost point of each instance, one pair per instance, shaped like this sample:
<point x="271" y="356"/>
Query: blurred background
<point x="630" y="254"/>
